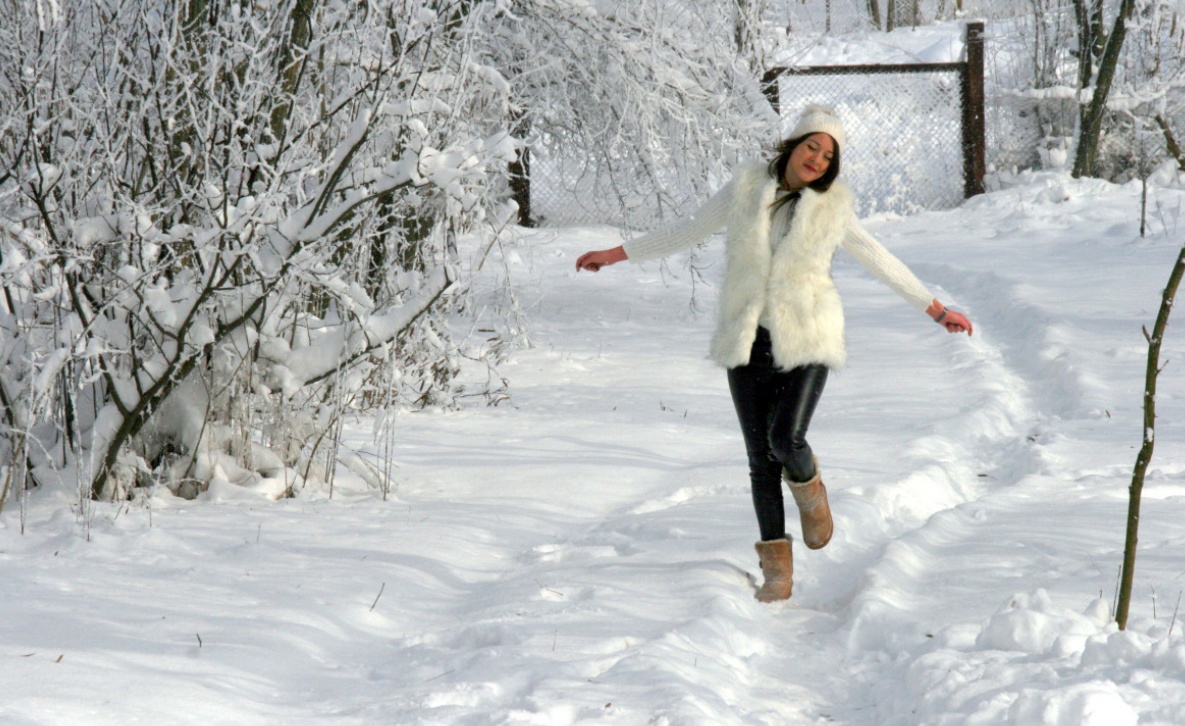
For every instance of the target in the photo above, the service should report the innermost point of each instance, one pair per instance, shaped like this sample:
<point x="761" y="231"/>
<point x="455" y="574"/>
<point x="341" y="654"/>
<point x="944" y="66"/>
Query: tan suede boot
<point x="813" y="509"/>
<point x="778" y="568"/>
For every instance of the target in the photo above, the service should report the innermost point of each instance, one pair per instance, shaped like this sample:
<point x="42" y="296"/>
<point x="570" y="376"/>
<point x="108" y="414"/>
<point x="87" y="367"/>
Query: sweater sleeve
<point x="887" y="268"/>
<point x="685" y="233"/>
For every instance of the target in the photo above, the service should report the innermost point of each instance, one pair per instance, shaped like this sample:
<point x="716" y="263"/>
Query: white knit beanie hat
<point x="818" y="118"/>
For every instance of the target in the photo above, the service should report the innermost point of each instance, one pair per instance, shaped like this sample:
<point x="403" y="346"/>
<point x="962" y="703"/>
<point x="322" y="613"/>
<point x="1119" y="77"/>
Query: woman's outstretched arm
<point x="706" y="221"/>
<point x="893" y="272"/>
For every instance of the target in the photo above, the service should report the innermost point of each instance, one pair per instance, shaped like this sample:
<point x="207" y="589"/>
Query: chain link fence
<point x="573" y="189"/>
<point x="905" y="149"/>
<point x="915" y="141"/>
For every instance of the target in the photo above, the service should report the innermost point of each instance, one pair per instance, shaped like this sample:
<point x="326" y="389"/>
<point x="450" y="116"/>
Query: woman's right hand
<point x="595" y="260"/>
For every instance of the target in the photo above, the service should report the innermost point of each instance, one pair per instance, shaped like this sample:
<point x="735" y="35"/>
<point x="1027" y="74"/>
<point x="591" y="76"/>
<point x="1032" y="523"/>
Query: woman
<point x="780" y="325"/>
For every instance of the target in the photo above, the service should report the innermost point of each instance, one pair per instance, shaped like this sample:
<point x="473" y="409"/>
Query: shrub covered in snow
<point x="224" y="227"/>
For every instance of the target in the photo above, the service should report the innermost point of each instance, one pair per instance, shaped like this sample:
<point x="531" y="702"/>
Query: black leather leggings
<point x="775" y="409"/>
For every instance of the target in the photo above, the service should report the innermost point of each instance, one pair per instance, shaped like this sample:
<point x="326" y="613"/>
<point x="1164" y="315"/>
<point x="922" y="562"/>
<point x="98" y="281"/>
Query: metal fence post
<point x="973" y="113"/>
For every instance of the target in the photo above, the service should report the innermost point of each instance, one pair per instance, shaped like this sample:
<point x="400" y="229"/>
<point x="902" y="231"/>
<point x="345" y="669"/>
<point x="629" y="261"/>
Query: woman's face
<point x="809" y="160"/>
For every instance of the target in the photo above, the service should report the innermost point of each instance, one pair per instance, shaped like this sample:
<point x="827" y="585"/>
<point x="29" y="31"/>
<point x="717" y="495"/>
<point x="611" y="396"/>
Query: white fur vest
<point x="789" y="279"/>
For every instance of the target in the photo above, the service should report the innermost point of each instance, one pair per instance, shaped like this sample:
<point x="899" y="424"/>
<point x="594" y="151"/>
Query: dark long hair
<point x="777" y="166"/>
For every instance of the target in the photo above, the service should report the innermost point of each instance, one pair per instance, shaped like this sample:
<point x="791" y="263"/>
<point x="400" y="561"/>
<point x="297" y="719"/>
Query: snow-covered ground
<point x="583" y="552"/>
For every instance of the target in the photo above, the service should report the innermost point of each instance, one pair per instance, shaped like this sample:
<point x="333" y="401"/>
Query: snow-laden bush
<point x="225" y="225"/>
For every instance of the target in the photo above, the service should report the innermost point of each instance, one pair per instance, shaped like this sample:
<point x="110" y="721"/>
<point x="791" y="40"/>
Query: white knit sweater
<point x="779" y="270"/>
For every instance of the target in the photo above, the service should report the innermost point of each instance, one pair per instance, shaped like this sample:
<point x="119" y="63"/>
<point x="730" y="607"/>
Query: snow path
<point x="849" y="603"/>
<point x="583" y="552"/>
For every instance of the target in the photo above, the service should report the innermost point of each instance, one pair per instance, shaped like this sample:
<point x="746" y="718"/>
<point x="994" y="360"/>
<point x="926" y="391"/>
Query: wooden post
<point x="974" y="141"/>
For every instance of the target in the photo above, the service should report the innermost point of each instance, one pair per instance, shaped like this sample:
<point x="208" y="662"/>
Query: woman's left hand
<point x="954" y="322"/>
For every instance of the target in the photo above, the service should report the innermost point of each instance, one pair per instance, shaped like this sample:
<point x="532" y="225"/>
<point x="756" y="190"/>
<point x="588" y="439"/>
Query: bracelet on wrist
<point x="941" y="316"/>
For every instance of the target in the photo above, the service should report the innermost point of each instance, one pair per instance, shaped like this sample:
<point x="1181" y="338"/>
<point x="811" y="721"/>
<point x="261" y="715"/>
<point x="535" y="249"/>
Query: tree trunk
<point x="519" y="171"/>
<point x="1170" y="142"/>
<point x="742" y="33"/>
<point x="291" y="65"/>
<point x="1099" y="37"/>
<point x="948" y="10"/>
<point x="874" y="13"/>
<point x="1145" y="455"/>
<point x="1088" y="15"/>
<point x="903" y="13"/>
<point x="1088" y="138"/>
<point x="1082" y="19"/>
<point x="747" y="32"/>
